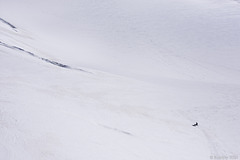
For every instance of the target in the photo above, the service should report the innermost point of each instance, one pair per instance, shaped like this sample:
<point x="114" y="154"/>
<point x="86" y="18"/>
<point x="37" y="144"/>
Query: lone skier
<point x="196" y="124"/>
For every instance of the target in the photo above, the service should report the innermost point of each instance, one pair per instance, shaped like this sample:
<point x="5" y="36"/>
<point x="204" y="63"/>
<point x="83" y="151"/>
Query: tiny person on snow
<point x="196" y="124"/>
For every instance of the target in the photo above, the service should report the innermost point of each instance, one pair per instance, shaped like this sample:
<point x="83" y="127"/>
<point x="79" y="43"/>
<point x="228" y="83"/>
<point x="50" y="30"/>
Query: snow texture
<point x="119" y="80"/>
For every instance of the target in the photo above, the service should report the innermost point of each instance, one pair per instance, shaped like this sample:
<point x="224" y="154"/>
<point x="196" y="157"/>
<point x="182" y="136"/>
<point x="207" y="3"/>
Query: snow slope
<point x="119" y="79"/>
<point x="174" y="38"/>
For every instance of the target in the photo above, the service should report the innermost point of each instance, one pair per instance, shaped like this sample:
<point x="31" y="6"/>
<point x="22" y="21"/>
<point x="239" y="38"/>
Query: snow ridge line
<point x="44" y="59"/>
<point x="9" y="24"/>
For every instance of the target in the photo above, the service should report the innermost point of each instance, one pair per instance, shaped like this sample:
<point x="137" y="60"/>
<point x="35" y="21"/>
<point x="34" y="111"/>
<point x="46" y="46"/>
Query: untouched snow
<point x="119" y="80"/>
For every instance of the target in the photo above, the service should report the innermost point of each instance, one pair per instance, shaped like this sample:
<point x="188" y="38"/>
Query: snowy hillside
<point x="114" y="79"/>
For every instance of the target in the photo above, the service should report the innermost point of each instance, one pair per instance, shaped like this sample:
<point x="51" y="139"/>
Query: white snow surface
<point x="119" y="80"/>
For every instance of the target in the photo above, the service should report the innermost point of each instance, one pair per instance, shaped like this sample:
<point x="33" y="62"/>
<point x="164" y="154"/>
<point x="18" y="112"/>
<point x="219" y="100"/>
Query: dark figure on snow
<point x="196" y="124"/>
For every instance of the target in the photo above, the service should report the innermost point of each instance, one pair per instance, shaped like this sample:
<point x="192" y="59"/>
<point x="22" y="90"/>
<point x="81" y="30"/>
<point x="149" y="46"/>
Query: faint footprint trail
<point x="215" y="145"/>
<point x="44" y="59"/>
